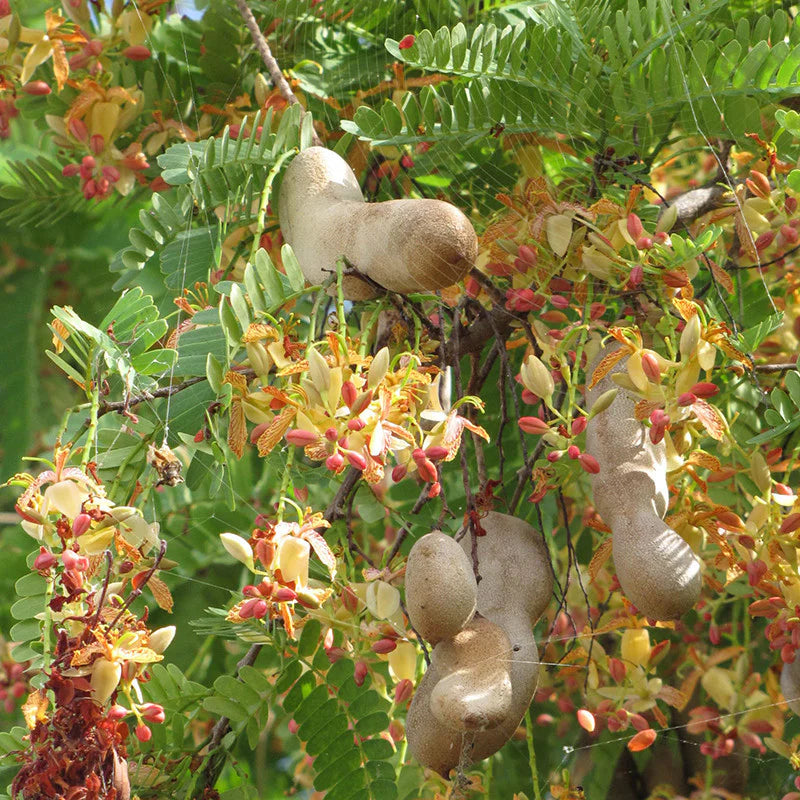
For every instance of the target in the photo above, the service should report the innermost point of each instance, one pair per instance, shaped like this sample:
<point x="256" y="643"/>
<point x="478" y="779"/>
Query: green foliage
<point x="660" y="66"/>
<point x="784" y="415"/>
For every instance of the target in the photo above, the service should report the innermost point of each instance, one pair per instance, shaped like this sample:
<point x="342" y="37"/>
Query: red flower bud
<point x="589" y="463"/>
<point x="137" y="52"/>
<point x="635" y="227"/>
<point x="644" y="243"/>
<point x="356" y="460"/>
<point x="573" y="451"/>
<point x="143" y="733"/>
<point x="686" y="399"/>
<point x="71" y="170"/>
<point x="117" y="712"/>
<point x="285" y="595"/>
<point x="152" y="712"/>
<point x="360" y="672"/>
<point x="356" y="424"/>
<point x="435" y="490"/>
<point x="399" y="472"/>
<point x="554" y="455"/>
<point x="596" y="310"/>
<point x="37" y="88"/>
<point x="403" y="691"/>
<point x="559" y="301"/>
<point x="704" y="389"/>
<point x="406" y="42"/>
<point x="78" y="129"/>
<point x="81" y="524"/>
<point x="383" y="646"/>
<point x="765" y="240"/>
<point x="427" y="471"/>
<point x="527" y="254"/>
<point x="301" y="438"/>
<point x="44" y="560"/>
<point x="533" y="425"/>
<point x="790" y="523"/>
<point x="334" y="462"/>
<point x="406" y="162"/>
<point x="349" y="393"/>
<point x="636" y="276"/>
<point x="97" y="144"/>
<point x="650" y="367"/>
<point x="578" y="426"/>
<point x="436" y="452"/>
<point x="331" y="434"/>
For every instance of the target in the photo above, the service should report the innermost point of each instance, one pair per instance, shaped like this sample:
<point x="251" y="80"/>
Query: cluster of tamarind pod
<point x="484" y="665"/>
<point x="483" y="669"/>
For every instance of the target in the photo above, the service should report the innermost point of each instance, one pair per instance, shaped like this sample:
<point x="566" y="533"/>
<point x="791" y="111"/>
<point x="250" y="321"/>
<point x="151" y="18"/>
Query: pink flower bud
<point x="406" y="162"/>
<point x="117" y="712"/>
<point x="790" y="523"/>
<point x="635" y="227"/>
<point x="436" y="452"/>
<point x="636" y="275"/>
<point x="589" y="463"/>
<point x="356" y="424"/>
<point x="143" y="733"/>
<point x="331" y="434"/>
<point x="790" y="204"/>
<point x="764" y="240"/>
<point x="87" y="167"/>
<point x="253" y="607"/>
<point x="527" y="254"/>
<point x="301" y="438"/>
<point x="403" y="691"/>
<point x="418" y="454"/>
<point x="789" y="234"/>
<point x="650" y="367"/>
<point x="111" y="174"/>
<point x="573" y="451"/>
<point x="406" y="42"/>
<point x="554" y="455"/>
<point x="72" y="560"/>
<point x="349" y="393"/>
<point x="81" y="524"/>
<point x="334" y="462"/>
<point x="383" y="646"/>
<point x="37" y="88"/>
<point x="78" y="129"/>
<point x="596" y="310"/>
<point x="427" y="471"/>
<point x="44" y="560"/>
<point x="435" y="490"/>
<point x="71" y="170"/>
<point x="356" y="460"/>
<point x="559" y="301"/>
<point x="644" y="243"/>
<point x="617" y="669"/>
<point x="152" y="712"/>
<point x="399" y="472"/>
<point x="686" y="399"/>
<point x="293" y="726"/>
<point x="137" y="52"/>
<point x="97" y="144"/>
<point x="360" y="672"/>
<point x="578" y="426"/>
<point x="250" y="591"/>
<point x="285" y="595"/>
<point x="533" y="425"/>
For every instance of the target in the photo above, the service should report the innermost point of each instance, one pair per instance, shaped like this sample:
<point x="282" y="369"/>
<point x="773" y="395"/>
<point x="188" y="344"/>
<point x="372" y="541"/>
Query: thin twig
<point x="145" y="397"/>
<point x="138" y="590"/>
<point x="336" y="507"/>
<point x="222" y="726"/>
<point x="271" y="64"/>
<point x="775" y="367"/>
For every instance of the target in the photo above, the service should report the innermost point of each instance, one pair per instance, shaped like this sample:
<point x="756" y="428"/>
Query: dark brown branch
<point x="336" y="508"/>
<point x="775" y="367"/>
<point x="271" y="64"/>
<point x="145" y="397"/>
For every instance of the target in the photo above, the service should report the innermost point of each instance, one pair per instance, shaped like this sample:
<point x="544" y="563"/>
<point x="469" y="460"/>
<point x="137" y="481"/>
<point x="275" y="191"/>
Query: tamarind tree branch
<point x="144" y="397"/>
<point x="271" y="64"/>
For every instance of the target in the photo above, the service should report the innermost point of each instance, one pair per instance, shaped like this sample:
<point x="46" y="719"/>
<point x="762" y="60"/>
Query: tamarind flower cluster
<point x="279" y="552"/>
<point x="351" y="410"/>
<point x="96" y="651"/>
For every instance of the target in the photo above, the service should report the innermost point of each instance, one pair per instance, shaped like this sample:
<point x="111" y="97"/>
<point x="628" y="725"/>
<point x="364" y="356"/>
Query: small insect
<point x="166" y="464"/>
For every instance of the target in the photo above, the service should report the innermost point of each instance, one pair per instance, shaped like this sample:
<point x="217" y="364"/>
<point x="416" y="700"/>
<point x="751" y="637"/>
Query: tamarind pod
<point x="656" y="568"/>
<point x="441" y="591"/>
<point x="402" y="245"/>
<point x="790" y="684"/>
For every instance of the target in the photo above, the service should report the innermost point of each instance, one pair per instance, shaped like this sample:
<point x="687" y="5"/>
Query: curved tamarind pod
<point x="790" y="685"/>
<point x="515" y="588"/>
<point x="656" y="568"/>
<point x="441" y="591"/>
<point x="475" y="690"/>
<point x="403" y="245"/>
